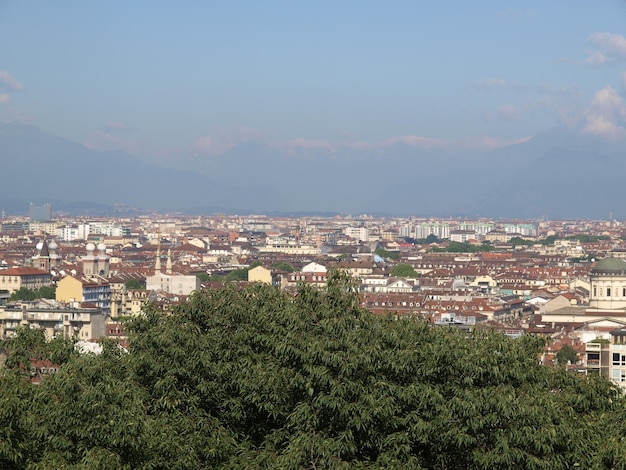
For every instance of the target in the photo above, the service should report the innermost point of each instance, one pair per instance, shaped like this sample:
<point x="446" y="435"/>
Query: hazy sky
<point x="163" y="78"/>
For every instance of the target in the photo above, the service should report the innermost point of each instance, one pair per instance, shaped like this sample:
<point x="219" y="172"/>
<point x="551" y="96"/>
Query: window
<point x="619" y="359"/>
<point x="608" y="292"/>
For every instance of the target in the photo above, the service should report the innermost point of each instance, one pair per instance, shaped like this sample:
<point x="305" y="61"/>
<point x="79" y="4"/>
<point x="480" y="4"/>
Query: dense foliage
<point x="133" y="284"/>
<point x="463" y="247"/>
<point x="258" y="378"/>
<point x="403" y="270"/>
<point x="24" y="293"/>
<point x="386" y="254"/>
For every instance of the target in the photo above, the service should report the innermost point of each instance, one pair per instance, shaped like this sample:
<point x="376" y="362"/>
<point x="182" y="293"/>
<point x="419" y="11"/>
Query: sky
<point x="163" y="79"/>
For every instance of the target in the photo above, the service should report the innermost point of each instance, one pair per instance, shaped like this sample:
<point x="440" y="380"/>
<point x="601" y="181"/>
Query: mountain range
<point x="557" y="174"/>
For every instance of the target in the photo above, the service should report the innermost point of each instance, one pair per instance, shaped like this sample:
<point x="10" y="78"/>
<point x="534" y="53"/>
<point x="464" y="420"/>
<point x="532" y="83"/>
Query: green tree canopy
<point x="566" y="354"/>
<point x="44" y="292"/>
<point x="403" y="270"/>
<point x="255" y="377"/>
<point x="134" y="284"/>
<point x="386" y="254"/>
<point x="284" y="266"/>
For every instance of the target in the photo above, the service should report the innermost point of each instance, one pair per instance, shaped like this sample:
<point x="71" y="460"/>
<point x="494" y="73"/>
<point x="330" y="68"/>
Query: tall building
<point x="41" y="213"/>
<point x="440" y="230"/>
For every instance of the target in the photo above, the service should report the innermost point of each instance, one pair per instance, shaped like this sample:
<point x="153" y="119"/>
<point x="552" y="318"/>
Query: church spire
<point x="157" y="264"/>
<point x="168" y="265"/>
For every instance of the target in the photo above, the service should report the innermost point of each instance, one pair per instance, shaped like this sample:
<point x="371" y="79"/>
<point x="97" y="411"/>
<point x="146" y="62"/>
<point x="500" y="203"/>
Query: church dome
<point x="102" y="247"/>
<point x="53" y="245"/>
<point x="611" y="265"/>
<point x="90" y="247"/>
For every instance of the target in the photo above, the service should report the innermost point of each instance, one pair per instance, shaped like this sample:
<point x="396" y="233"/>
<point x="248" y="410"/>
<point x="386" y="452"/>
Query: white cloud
<point x="7" y="81"/>
<point x="4" y="99"/>
<point x="102" y="140"/>
<point x="307" y="144"/>
<point x="508" y="113"/>
<point x="606" y="116"/>
<point x="415" y="141"/>
<point x="605" y="48"/>
<point x="505" y="113"/>
<point x="496" y="84"/>
<point x="224" y="139"/>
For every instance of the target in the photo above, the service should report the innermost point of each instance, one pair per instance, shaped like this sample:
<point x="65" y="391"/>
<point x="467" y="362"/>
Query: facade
<point x="608" y="285"/>
<point x="13" y="279"/>
<point x="618" y="357"/>
<point x="440" y="230"/>
<point x="260" y="274"/>
<point x="358" y="233"/>
<point x="171" y="283"/>
<point x="96" y="262"/>
<point x="46" y="257"/>
<point x="93" y="290"/>
<point x="82" y="323"/>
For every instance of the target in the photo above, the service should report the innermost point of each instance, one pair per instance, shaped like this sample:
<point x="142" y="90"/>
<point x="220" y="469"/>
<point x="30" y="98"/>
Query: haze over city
<point x="263" y="101"/>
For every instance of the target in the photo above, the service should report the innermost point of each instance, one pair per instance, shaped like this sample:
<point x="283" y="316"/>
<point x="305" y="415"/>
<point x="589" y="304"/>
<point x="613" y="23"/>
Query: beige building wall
<point x="69" y="288"/>
<point x="260" y="274"/>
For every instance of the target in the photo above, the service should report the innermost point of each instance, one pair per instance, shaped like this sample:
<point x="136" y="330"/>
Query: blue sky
<point x="172" y="78"/>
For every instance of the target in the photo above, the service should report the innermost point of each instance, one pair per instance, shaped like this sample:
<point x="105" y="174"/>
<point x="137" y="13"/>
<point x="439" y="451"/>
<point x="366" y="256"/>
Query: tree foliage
<point x="24" y="293"/>
<point x="403" y="270"/>
<point x="386" y="254"/>
<point x="459" y="247"/>
<point x="284" y="266"/>
<point x="255" y="377"/>
<point x="133" y="284"/>
<point x="566" y="354"/>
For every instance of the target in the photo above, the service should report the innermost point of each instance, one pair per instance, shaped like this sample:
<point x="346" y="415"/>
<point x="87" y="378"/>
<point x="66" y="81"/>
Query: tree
<point x="432" y="238"/>
<point x="255" y="377"/>
<point x="387" y="254"/>
<point x="44" y="292"/>
<point x="403" y="270"/>
<point x="566" y="354"/>
<point x="133" y="284"/>
<point x="284" y="266"/>
<point x="23" y="293"/>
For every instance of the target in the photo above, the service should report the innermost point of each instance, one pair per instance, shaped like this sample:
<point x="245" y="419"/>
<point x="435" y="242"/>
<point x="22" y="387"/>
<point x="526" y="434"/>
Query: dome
<point x="53" y="245"/>
<point x="610" y="265"/>
<point x="102" y="247"/>
<point x="39" y="246"/>
<point x="90" y="247"/>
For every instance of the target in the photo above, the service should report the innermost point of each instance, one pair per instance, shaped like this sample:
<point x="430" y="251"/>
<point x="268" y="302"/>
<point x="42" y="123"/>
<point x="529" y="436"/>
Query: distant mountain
<point x="37" y="166"/>
<point x="558" y="174"/>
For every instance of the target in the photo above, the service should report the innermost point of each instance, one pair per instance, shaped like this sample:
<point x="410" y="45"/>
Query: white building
<point x="358" y="233"/>
<point x="440" y="230"/>
<point x="172" y="283"/>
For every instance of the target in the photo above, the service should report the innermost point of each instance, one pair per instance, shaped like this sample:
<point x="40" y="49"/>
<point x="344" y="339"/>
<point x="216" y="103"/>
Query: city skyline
<point x="195" y="81"/>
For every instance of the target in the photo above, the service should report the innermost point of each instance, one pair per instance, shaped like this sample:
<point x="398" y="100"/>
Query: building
<point x="14" y="279"/>
<point x="608" y="284"/>
<point x="170" y="282"/>
<point x="46" y="257"/>
<point x="358" y="233"/>
<point x="95" y="262"/>
<point x="260" y="274"/>
<point x="82" y="323"/>
<point x="440" y="230"/>
<point x="93" y="290"/>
